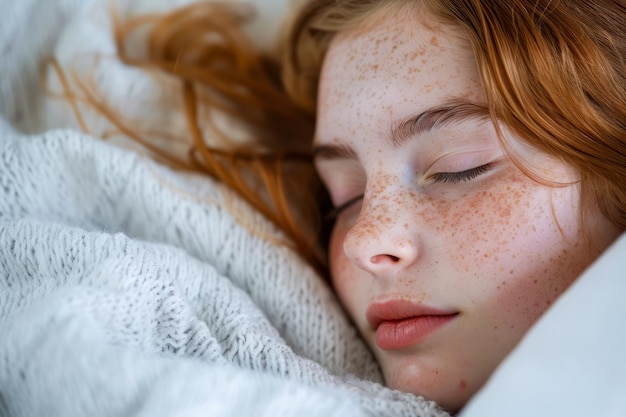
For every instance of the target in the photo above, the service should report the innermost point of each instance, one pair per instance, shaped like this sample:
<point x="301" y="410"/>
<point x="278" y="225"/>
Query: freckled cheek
<point x="525" y="300"/>
<point x="509" y="251"/>
<point x="487" y="233"/>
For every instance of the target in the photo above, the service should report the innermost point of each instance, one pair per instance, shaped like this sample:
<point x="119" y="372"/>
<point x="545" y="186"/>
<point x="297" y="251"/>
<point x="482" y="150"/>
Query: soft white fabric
<point x="76" y="32"/>
<point x="128" y="289"/>
<point x="573" y="361"/>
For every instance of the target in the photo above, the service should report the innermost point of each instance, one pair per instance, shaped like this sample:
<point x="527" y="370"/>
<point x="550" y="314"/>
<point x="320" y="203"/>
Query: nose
<point x="383" y="239"/>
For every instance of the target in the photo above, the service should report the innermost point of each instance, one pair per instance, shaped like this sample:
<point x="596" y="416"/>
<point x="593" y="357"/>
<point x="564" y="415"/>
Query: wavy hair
<point x="201" y="50"/>
<point x="554" y="72"/>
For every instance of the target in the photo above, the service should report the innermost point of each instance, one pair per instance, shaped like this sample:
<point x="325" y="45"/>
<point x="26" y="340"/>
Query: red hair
<point x="202" y="49"/>
<point x="554" y="72"/>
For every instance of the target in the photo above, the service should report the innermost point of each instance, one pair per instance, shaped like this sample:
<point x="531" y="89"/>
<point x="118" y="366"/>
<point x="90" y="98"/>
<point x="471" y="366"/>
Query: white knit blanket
<point x="127" y="289"/>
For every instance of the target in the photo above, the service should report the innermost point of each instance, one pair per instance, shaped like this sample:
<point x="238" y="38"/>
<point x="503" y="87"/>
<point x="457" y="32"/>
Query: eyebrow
<point x="450" y="113"/>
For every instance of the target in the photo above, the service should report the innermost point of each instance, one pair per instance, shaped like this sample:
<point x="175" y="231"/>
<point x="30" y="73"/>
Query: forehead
<point x="397" y="66"/>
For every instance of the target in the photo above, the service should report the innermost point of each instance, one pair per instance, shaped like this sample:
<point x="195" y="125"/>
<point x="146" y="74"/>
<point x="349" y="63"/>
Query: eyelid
<point x="460" y="176"/>
<point x="335" y="212"/>
<point x="438" y="178"/>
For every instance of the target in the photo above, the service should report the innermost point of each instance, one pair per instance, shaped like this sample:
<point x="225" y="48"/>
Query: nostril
<point x="377" y="259"/>
<point x="388" y="250"/>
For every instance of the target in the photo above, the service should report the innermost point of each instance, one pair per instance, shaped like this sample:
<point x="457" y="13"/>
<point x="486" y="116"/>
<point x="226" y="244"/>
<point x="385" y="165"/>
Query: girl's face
<point x="452" y="253"/>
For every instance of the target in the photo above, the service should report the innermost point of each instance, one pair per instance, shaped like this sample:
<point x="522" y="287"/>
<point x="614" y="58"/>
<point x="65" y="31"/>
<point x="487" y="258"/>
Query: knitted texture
<point x="124" y="286"/>
<point x="128" y="289"/>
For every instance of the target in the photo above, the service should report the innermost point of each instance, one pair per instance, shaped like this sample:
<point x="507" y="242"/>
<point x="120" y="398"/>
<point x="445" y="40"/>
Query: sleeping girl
<point x="475" y="154"/>
<point x="470" y="158"/>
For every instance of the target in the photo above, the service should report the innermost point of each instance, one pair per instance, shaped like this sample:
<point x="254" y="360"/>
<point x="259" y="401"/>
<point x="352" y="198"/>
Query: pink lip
<point x="400" y="324"/>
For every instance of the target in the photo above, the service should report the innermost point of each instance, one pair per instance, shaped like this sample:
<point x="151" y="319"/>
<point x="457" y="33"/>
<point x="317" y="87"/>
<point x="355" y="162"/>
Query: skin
<point x="494" y="247"/>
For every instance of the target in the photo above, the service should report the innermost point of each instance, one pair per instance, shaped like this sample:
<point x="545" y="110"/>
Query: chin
<point x="433" y="383"/>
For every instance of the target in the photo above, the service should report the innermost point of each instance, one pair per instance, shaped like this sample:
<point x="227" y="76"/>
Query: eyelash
<point x="462" y="176"/>
<point x="439" y="178"/>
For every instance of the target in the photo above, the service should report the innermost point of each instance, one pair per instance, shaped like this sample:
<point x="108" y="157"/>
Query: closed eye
<point x="459" y="177"/>
<point x="440" y="177"/>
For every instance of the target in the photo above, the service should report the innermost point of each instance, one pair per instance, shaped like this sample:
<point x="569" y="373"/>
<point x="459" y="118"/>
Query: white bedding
<point x="128" y="289"/>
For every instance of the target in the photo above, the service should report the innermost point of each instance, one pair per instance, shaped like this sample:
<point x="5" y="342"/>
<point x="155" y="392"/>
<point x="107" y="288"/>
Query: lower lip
<point x="400" y="334"/>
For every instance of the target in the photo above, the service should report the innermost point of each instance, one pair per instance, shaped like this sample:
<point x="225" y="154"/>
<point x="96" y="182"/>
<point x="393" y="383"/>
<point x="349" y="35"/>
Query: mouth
<point x="400" y="324"/>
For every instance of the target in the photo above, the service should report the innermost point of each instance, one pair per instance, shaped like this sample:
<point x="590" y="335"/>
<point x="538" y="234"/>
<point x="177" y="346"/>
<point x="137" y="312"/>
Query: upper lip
<point x="395" y="310"/>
